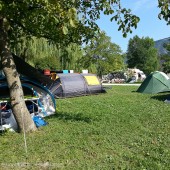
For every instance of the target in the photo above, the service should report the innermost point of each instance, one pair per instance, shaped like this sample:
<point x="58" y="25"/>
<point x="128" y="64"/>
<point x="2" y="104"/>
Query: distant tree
<point x="142" y="54"/>
<point x="73" y="53"/>
<point x="103" y="56"/>
<point x="165" y="59"/>
<point x="167" y="46"/>
<point x="43" y="54"/>
<point x="38" y="52"/>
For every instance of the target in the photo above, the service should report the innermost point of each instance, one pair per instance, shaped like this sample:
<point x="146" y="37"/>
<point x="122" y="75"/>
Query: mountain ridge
<point x="159" y="44"/>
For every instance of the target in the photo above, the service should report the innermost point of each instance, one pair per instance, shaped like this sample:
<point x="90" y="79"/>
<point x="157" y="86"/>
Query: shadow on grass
<point x="134" y="91"/>
<point x="68" y="117"/>
<point x="161" y="97"/>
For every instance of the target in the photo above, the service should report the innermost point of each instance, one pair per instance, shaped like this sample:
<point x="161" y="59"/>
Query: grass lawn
<point x="118" y="130"/>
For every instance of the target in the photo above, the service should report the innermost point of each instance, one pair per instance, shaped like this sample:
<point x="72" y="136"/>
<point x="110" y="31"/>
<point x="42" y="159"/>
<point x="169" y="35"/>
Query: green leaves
<point x="0" y="7"/>
<point x="73" y="23"/>
<point x="72" y="11"/>
<point x="103" y="56"/>
<point x="125" y="20"/>
<point x="142" y="54"/>
<point x="166" y="59"/>
<point x="58" y="20"/>
<point x="164" y="5"/>
<point x="69" y="21"/>
<point x="124" y="35"/>
<point x="65" y="30"/>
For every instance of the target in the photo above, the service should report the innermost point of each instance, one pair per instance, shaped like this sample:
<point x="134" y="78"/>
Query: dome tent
<point x="155" y="82"/>
<point x="74" y="84"/>
<point x="38" y="99"/>
<point x="32" y="89"/>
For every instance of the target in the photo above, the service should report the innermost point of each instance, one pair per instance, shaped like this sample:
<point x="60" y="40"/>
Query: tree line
<point x="100" y="57"/>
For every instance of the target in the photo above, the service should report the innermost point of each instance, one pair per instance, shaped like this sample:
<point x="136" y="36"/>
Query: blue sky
<point x="149" y="24"/>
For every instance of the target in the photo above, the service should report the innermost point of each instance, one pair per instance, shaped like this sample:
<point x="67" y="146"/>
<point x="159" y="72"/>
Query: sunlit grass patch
<point x="121" y="129"/>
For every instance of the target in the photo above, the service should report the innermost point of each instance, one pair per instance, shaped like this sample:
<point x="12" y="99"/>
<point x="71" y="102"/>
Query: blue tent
<point x="32" y="90"/>
<point x="39" y="101"/>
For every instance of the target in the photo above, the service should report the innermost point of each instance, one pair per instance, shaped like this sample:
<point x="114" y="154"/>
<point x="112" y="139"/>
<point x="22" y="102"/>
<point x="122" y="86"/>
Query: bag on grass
<point x="39" y="121"/>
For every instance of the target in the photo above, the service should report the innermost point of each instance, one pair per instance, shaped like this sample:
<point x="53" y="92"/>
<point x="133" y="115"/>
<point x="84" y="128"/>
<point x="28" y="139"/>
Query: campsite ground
<point x="120" y="129"/>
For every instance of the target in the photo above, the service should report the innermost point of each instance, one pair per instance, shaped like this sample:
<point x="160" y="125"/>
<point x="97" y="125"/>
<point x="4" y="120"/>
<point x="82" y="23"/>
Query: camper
<point x="136" y="75"/>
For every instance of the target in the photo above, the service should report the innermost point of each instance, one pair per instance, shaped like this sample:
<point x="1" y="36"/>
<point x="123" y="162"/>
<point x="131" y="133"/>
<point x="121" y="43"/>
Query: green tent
<point x="156" y="82"/>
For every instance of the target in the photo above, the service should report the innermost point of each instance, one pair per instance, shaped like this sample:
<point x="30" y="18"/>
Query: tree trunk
<point x="20" y="111"/>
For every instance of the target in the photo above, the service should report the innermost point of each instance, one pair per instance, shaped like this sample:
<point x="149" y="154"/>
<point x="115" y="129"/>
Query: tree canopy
<point x="62" y="21"/>
<point x="102" y="56"/>
<point x="68" y="21"/>
<point x="165" y="59"/>
<point x="44" y="55"/>
<point x="142" y="54"/>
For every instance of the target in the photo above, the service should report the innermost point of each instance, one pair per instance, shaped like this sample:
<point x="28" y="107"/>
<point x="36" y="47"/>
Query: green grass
<point x="118" y="130"/>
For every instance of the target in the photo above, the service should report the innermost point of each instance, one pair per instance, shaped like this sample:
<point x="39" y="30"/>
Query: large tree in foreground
<point x="56" y="21"/>
<point x="27" y="18"/>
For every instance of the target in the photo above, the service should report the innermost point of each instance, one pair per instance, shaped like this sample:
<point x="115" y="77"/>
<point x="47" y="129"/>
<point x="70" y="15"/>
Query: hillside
<point x="159" y="45"/>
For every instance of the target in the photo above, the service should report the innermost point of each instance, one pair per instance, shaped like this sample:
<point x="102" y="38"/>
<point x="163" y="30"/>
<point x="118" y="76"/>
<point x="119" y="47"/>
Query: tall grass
<point x="118" y="130"/>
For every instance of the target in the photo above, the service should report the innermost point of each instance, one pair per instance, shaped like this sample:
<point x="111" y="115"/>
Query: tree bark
<point x="20" y="111"/>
